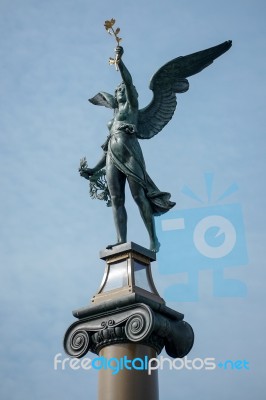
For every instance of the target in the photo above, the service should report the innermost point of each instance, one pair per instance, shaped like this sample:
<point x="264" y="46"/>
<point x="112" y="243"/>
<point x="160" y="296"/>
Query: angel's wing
<point x="169" y="80"/>
<point x="104" y="99"/>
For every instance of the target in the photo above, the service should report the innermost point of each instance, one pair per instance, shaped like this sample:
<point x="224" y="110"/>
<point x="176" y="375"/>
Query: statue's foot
<point x="110" y="246"/>
<point x="155" y="245"/>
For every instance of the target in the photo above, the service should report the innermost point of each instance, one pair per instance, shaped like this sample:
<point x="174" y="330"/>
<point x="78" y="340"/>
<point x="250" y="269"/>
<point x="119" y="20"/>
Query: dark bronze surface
<point x="122" y="157"/>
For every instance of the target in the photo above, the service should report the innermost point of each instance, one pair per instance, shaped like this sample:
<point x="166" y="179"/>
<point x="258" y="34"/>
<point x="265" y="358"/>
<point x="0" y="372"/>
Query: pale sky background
<point x="53" y="57"/>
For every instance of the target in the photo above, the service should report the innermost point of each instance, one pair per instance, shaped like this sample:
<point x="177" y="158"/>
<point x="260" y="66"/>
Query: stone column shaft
<point x="128" y="384"/>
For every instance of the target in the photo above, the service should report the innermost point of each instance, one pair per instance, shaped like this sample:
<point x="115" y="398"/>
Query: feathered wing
<point x="104" y="99"/>
<point x="169" y="80"/>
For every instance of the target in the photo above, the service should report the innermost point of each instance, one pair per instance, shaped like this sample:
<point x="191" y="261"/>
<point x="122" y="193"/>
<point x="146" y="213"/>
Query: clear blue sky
<point x="53" y="57"/>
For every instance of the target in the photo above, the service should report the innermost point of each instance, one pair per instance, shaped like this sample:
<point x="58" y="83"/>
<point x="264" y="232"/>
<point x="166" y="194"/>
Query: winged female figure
<point x="122" y="156"/>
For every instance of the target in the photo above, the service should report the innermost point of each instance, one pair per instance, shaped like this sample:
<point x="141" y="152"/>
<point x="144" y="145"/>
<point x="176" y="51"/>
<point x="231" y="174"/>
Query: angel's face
<point x="121" y="93"/>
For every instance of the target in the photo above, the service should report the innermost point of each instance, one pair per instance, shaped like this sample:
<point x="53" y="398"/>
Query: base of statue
<point x="127" y="317"/>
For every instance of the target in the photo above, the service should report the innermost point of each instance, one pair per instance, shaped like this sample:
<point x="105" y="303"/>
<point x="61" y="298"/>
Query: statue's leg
<point x="145" y="209"/>
<point x="116" y="181"/>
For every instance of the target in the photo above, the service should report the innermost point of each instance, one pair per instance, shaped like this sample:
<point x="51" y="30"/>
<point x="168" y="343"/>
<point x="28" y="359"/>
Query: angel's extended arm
<point x="87" y="172"/>
<point x="127" y="79"/>
<point x="100" y="164"/>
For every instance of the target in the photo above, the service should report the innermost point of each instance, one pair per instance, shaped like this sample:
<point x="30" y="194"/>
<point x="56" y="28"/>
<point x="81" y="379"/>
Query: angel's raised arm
<point x="132" y="94"/>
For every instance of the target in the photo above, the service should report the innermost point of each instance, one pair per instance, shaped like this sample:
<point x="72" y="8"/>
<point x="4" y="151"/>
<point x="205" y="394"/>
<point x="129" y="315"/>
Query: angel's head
<point x="121" y="94"/>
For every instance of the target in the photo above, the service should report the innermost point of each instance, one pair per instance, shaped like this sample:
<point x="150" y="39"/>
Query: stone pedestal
<point x="128" y="318"/>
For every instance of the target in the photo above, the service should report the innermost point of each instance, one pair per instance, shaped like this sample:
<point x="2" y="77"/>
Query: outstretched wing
<point x="169" y="80"/>
<point x="104" y="99"/>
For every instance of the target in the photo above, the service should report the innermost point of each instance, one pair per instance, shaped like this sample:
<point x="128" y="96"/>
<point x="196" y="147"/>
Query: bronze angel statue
<point x="122" y="156"/>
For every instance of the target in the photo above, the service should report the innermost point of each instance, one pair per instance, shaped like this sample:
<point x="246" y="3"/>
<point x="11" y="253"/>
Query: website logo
<point x="208" y="237"/>
<point x="147" y="364"/>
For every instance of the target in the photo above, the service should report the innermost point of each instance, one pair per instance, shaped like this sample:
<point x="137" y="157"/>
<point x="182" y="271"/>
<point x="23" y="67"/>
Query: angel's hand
<point x="119" y="51"/>
<point x="86" y="172"/>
